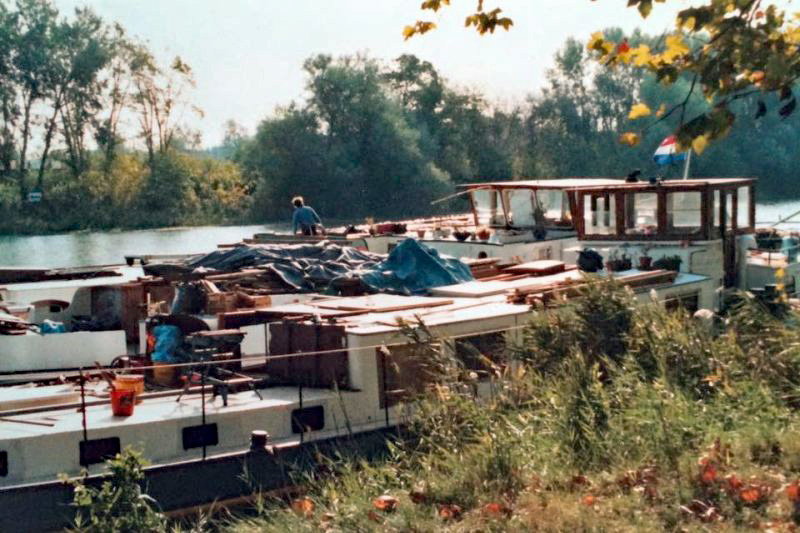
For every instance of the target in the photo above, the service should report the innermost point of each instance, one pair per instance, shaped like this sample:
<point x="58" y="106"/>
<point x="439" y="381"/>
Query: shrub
<point x="119" y="504"/>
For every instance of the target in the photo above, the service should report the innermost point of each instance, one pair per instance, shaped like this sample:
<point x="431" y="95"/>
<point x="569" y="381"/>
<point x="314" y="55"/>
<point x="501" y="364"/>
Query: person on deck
<point x="305" y="218"/>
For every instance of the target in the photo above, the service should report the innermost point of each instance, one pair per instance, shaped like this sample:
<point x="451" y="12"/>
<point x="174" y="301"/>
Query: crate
<point x="221" y="302"/>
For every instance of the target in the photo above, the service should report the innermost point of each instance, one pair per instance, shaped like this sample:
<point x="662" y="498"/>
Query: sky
<point x="247" y="55"/>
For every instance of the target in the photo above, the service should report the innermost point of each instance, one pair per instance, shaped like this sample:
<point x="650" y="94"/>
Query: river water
<point x="111" y="247"/>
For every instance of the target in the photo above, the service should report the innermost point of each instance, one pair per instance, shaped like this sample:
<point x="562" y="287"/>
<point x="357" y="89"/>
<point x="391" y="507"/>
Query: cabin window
<point x="3" y="464"/>
<point x="684" y="212"/>
<point x="689" y="302"/>
<point x="520" y="204"/>
<point x="405" y="372"/>
<point x="743" y="207"/>
<point x="715" y="208"/>
<point x="199" y="436"/>
<point x="488" y="207"/>
<point x="599" y="214"/>
<point x="553" y="206"/>
<point x="308" y="419"/>
<point x="481" y="352"/>
<point x="98" y="450"/>
<point x="641" y="213"/>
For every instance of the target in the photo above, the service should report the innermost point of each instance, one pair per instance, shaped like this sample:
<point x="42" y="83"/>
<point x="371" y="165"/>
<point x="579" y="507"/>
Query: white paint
<point x="34" y="352"/>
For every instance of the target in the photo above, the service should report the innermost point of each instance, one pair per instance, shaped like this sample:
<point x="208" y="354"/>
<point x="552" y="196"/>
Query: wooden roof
<point x="605" y="183"/>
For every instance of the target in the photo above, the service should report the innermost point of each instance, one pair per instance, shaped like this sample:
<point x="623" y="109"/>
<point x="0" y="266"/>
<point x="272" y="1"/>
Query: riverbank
<point x="82" y="248"/>
<point x="619" y="418"/>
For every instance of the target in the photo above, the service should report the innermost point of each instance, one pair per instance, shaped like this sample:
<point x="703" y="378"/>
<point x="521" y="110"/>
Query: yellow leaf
<point x="675" y="48"/>
<point x="408" y="31"/>
<point x="661" y="110"/>
<point x="638" y="111"/>
<point x="699" y="144"/>
<point x="629" y="138"/>
<point x="729" y="8"/>
<point x="690" y="23"/>
<point x="596" y="41"/>
<point x="641" y="55"/>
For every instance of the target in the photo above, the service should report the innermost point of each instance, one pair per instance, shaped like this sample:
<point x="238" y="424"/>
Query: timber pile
<point x="483" y="268"/>
<point x="570" y="288"/>
<point x="12" y="325"/>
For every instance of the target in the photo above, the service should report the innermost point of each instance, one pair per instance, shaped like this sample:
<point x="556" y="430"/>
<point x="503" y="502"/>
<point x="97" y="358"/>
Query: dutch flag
<point x="667" y="153"/>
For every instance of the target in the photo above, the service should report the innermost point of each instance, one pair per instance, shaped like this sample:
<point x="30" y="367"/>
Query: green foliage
<point x="561" y="444"/>
<point x="119" y="504"/>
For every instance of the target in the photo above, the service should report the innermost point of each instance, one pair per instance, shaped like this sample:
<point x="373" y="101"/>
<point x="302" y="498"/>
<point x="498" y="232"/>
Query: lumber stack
<point x="545" y="294"/>
<point x="483" y="268"/>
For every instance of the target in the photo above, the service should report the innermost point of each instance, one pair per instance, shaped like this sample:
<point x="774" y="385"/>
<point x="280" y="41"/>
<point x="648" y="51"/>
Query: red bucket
<point x="122" y="401"/>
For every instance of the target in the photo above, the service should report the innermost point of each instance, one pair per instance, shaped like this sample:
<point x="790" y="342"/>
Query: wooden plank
<point x="543" y="267"/>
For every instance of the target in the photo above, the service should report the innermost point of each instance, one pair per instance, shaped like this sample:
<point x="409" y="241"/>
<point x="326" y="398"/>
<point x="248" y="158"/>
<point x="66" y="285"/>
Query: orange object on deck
<point x="122" y="402"/>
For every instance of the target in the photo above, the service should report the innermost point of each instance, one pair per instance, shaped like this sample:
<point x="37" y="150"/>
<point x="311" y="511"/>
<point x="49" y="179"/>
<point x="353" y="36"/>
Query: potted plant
<point x="670" y="262"/>
<point x="483" y="233"/>
<point x="645" y="261"/>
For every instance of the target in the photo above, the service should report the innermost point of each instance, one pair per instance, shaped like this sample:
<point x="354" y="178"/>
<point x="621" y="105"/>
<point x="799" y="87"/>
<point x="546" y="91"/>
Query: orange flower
<point x="449" y="511"/>
<point x="734" y="482"/>
<point x="589" y="500"/>
<point x="793" y="492"/>
<point x="385" y="503"/>
<point x="709" y="474"/>
<point x="750" y="495"/>
<point x="303" y="506"/>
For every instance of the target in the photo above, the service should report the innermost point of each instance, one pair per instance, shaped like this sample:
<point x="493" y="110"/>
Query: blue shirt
<point x="304" y="217"/>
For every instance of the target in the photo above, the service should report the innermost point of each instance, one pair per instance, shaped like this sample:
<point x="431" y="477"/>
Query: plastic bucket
<point x="122" y="401"/>
<point x="132" y="382"/>
<point x="164" y="374"/>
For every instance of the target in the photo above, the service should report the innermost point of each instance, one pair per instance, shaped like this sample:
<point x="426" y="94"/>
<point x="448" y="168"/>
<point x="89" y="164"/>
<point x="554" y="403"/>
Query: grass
<point x="616" y="418"/>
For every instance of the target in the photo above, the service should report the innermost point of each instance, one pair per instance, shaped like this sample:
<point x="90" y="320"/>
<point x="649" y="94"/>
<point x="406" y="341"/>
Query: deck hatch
<point x="308" y="419"/>
<point x="98" y="450"/>
<point x="199" y="436"/>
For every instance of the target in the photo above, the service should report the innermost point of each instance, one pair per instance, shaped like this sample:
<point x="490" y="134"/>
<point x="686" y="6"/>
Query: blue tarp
<point x="413" y="268"/>
<point x="168" y="340"/>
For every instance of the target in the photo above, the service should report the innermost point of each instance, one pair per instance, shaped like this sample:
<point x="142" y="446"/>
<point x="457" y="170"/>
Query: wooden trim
<point x="752" y="207"/>
<point x="619" y="209"/>
<point x="734" y="209"/>
<point x="472" y="207"/>
<point x="661" y="212"/>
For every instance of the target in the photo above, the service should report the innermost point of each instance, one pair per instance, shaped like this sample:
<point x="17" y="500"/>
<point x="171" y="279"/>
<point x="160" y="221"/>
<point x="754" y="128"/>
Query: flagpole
<point x="686" y="167"/>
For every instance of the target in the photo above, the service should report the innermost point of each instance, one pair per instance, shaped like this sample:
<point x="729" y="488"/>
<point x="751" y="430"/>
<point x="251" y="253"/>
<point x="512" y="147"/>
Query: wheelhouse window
<point x="552" y="207"/>
<point x="743" y="207"/>
<point x="684" y="212"/>
<point x="521" y="208"/>
<point x="599" y="214"/>
<point x="641" y="213"/>
<point x="488" y="207"/>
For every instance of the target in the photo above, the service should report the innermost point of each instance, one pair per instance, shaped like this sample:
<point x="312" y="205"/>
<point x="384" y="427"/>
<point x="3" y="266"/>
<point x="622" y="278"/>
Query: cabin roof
<point x="605" y="183"/>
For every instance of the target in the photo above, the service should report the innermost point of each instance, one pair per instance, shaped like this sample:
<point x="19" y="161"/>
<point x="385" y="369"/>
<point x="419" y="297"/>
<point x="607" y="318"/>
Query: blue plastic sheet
<point x="168" y="339"/>
<point x="413" y="268"/>
<point x="49" y="326"/>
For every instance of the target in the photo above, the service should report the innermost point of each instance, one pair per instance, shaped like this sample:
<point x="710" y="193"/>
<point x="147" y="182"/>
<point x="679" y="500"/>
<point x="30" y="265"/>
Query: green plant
<point x="119" y="504"/>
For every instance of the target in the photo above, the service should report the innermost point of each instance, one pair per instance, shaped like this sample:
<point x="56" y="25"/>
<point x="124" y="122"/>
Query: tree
<point x="32" y="64"/>
<point x="159" y="100"/>
<point x="730" y="49"/>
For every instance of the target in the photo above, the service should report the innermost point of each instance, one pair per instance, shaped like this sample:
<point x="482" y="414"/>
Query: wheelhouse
<point x="696" y="210"/>
<point x="529" y="204"/>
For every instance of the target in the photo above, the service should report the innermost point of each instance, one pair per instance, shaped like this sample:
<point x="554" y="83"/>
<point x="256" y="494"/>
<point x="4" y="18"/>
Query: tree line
<point x="92" y="122"/>
<point x="90" y="133"/>
<point x="373" y="138"/>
